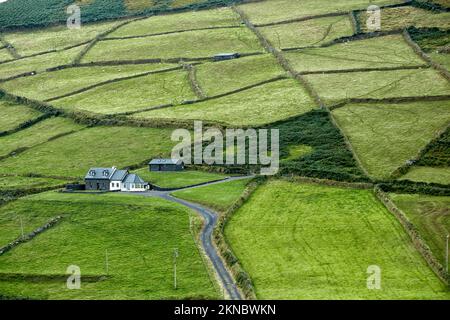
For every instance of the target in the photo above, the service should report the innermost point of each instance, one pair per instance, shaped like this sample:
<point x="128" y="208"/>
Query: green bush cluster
<point x="437" y="153"/>
<point x="429" y="39"/>
<point x="406" y="186"/>
<point x="429" y="5"/>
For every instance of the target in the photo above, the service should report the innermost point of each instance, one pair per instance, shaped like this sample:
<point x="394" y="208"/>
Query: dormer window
<point x="105" y="173"/>
<point x="92" y="173"/>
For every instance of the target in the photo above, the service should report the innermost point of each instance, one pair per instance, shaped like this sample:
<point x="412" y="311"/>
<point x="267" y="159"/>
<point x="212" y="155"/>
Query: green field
<point x="321" y="245"/>
<point x="308" y="33"/>
<point x="221" y="17"/>
<point x="36" y="135"/>
<point x="73" y="155"/>
<point x="400" y="18"/>
<point x="12" y="115"/>
<point x="53" y="84"/>
<point x="282" y="10"/>
<point x="428" y="174"/>
<point x="9" y="183"/>
<point x="38" y="63"/>
<point x="386" y="136"/>
<point x="217" y="196"/>
<point x="441" y="58"/>
<point x="431" y="217"/>
<point x="54" y="38"/>
<point x="264" y="104"/>
<point x="193" y="44"/>
<point x="178" y="179"/>
<point x="140" y="250"/>
<point x="133" y="94"/>
<point x="221" y="77"/>
<point x="5" y="55"/>
<point x="333" y="88"/>
<point x="389" y="51"/>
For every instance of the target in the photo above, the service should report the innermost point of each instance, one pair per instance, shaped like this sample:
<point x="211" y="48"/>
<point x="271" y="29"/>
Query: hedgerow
<point x="437" y="153"/>
<point x="41" y="13"/>
<point x="429" y="39"/>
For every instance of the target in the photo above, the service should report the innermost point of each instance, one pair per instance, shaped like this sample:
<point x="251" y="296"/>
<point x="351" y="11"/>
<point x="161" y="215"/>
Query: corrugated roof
<point x="119" y="175"/>
<point x="134" y="178"/>
<point x="166" y="161"/>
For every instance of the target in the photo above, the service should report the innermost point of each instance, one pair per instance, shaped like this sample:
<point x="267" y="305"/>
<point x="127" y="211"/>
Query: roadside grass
<point x="404" y="17"/>
<point x="178" y="22"/>
<point x="5" y="55"/>
<point x="307" y="241"/>
<point x="333" y="88"/>
<point x="53" y="84"/>
<point x="225" y="76"/>
<point x="308" y="33"/>
<point x="13" y="114"/>
<point x="191" y="44"/>
<point x="257" y="106"/>
<point x="386" y="136"/>
<point x="28" y="42"/>
<point x="428" y="174"/>
<point x="139" y="234"/>
<point x="388" y="51"/>
<point x="282" y="10"/>
<point x="131" y="95"/>
<point x="177" y="179"/>
<point x="38" y="63"/>
<point x="11" y="183"/>
<point x="217" y="196"/>
<point x="73" y="155"/>
<point x="431" y="216"/>
<point x="36" y="134"/>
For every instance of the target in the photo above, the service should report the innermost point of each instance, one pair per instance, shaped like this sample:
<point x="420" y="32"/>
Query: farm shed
<point x="166" y="165"/>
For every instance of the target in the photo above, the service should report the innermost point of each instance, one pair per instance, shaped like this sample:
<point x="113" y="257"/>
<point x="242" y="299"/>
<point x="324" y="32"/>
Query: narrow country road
<point x="206" y="235"/>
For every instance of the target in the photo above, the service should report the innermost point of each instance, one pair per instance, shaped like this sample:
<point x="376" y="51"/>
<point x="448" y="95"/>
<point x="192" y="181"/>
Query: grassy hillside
<point x="140" y="250"/>
<point x="320" y="245"/>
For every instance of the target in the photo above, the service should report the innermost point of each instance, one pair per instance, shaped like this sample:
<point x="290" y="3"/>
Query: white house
<point x="116" y="182"/>
<point x="134" y="183"/>
<point x="111" y="179"/>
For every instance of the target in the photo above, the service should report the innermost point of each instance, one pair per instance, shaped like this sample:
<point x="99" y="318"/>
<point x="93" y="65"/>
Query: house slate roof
<point x="134" y="178"/>
<point x="166" y="161"/>
<point x="97" y="173"/>
<point x="119" y="175"/>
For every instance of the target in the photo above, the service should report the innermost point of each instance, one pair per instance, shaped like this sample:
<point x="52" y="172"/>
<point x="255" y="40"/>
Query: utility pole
<point x="106" y="261"/>
<point x="21" y="226"/>
<point x="446" y="254"/>
<point x="175" y="256"/>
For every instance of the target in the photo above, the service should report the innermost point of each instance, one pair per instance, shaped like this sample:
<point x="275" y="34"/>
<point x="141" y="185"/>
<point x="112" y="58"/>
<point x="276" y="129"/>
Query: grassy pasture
<point x="5" y="55"/>
<point x="308" y="33"/>
<point x="38" y="63"/>
<point x="441" y="58"/>
<point x="36" y="134"/>
<point x="321" y="245"/>
<point x="13" y="114"/>
<point x="282" y="10"/>
<point x="140" y="249"/>
<point x="403" y="17"/>
<point x="177" y="22"/>
<point x="192" y="44"/>
<point x="220" y="77"/>
<point x="9" y="183"/>
<point x="386" y="136"/>
<point x="92" y="147"/>
<point x="217" y="196"/>
<point x="430" y="215"/>
<point x="131" y="95"/>
<point x="428" y="174"/>
<point x="333" y="88"/>
<point x="178" y="179"/>
<point x="265" y="104"/>
<point x="53" y="84"/>
<point x="389" y="51"/>
<point x="55" y="38"/>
